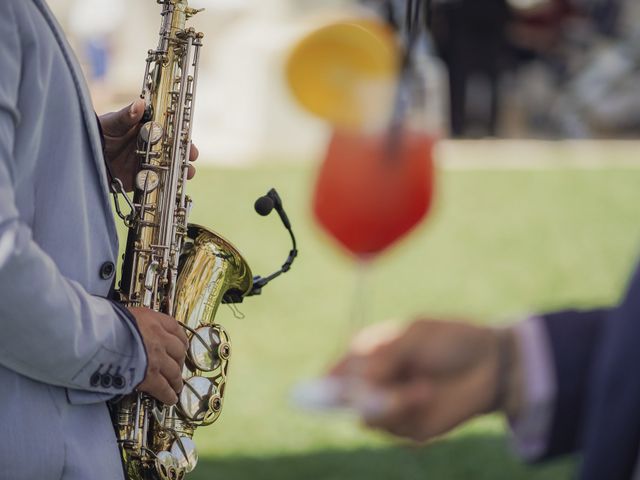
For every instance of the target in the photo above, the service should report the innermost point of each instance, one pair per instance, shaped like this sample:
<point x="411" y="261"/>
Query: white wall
<point x="244" y="111"/>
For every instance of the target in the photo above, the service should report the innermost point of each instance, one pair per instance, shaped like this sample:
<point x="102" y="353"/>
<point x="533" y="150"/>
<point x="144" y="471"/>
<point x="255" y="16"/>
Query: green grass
<point x="498" y="245"/>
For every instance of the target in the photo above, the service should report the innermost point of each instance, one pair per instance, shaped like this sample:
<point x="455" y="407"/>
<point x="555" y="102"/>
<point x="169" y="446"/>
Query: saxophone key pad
<point x="151" y="132"/>
<point x="194" y="398"/>
<point x="166" y="466"/>
<point x="206" y="349"/>
<point x="147" y="180"/>
<point x="184" y="454"/>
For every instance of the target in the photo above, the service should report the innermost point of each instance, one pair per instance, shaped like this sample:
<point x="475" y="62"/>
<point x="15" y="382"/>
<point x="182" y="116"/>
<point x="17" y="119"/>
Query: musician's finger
<point x="176" y="349"/>
<point x="159" y="388"/>
<point x="172" y="373"/>
<point x="117" y="124"/>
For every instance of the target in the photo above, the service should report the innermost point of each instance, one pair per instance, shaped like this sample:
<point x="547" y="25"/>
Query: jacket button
<point x="119" y="382"/>
<point x="107" y="270"/>
<point x="95" y="379"/>
<point x="106" y="381"/>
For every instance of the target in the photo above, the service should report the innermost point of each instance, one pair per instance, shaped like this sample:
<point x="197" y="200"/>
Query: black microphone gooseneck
<point x="264" y="206"/>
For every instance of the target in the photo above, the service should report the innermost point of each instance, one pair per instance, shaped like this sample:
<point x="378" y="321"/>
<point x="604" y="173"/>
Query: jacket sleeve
<point x="574" y="338"/>
<point x="52" y="330"/>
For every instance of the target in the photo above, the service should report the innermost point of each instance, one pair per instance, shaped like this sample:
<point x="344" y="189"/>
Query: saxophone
<point x="174" y="267"/>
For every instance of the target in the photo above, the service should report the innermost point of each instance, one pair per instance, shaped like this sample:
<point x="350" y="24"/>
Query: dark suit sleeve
<point x="574" y="338"/>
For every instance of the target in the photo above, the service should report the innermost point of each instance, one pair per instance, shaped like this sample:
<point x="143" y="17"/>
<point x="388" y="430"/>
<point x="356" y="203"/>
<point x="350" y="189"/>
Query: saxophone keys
<point x="194" y="398"/>
<point x="184" y="454"/>
<point x="147" y="180"/>
<point x="208" y="348"/>
<point x="166" y="467"/>
<point x="215" y="403"/>
<point x="151" y="132"/>
<point x="215" y="408"/>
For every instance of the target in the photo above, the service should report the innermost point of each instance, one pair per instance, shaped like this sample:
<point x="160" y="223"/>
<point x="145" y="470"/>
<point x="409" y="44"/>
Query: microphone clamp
<point x="264" y="206"/>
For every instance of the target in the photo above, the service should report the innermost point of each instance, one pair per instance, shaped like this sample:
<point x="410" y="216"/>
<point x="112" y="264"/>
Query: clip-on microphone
<point x="264" y="206"/>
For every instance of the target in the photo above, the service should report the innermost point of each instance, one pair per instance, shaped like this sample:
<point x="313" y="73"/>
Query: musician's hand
<point x="433" y="375"/>
<point x="120" y="131"/>
<point x="166" y="345"/>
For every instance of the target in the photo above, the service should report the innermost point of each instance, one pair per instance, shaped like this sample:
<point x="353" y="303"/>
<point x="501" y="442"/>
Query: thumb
<point x="116" y="124"/>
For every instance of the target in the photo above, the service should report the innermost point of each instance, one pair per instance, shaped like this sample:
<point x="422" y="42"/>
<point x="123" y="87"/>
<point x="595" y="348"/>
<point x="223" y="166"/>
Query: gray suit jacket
<point x="57" y="244"/>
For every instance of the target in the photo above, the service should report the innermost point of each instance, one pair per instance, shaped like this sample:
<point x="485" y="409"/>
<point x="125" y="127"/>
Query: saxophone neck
<point x="181" y="6"/>
<point x="175" y="14"/>
<point x="190" y="12"/>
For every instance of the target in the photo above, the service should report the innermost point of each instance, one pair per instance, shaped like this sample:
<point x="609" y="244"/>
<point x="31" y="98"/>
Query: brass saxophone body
<point x="173" y="267"/>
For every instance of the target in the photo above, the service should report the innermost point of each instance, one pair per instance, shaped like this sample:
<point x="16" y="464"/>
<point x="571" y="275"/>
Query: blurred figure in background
<point x="93" y="24"/>
<point x="566" y="382"/>
<point x="470" y="37"/>
<point x="601" y="95"/>
<point x="570" y="64"/>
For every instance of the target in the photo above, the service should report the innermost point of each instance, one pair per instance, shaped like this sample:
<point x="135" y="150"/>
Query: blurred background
<point x="515" y="68"/>
<point x="536" y="204"/>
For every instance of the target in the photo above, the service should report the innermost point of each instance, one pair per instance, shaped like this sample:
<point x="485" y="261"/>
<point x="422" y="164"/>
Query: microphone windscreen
<point x="264" y="206"/>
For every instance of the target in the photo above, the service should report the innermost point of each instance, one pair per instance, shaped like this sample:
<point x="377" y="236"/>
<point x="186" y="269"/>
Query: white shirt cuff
<point x="530" y="430"/>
